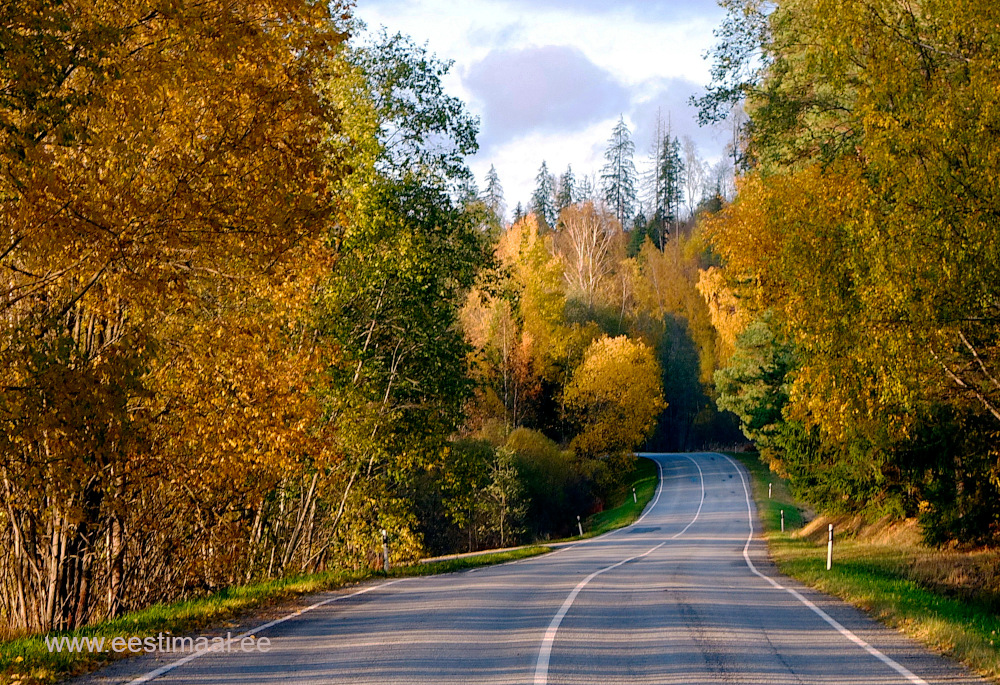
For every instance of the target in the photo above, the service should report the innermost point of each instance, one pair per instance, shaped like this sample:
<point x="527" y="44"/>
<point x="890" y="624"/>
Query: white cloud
<point x="553" y="89"/>
<point x="629" y="57"/>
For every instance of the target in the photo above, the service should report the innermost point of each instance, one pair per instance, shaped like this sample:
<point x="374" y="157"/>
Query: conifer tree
<point x="493" y="197"/>
<point x="565" y="195"/>
<point x="543" y="200"/>
<point x="618" y="175"/>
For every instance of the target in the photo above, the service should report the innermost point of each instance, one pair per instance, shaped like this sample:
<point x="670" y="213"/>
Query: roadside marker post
<point x="829" y="550"/>
<point x="769" y="491"/>
<point x="634" y="498"/>
<point x="385" y="550"/>
<point x="579" y="525"/>
<point x="782" y="520"/>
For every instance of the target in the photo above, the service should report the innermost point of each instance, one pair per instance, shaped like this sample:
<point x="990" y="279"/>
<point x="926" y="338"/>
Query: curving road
<point x="685" y="595"/>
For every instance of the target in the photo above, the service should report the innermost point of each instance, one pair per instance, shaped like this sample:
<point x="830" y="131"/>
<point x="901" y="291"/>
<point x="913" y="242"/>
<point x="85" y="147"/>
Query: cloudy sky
<point x="549" y="78"/>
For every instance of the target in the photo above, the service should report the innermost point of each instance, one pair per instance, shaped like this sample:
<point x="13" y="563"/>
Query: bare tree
<point x="590" y="243"/>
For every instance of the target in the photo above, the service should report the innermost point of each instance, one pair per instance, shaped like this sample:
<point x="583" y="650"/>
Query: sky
<point x="550" y="78"/>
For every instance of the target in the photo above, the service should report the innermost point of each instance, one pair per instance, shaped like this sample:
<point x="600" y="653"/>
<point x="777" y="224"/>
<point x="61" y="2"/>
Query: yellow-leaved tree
<point x="614" y="397"/>
<point x="163" y="203"/>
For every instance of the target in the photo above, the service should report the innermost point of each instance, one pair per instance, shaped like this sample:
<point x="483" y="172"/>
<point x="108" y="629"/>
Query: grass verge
<point x="27" y="661"/>
<point x="625" y="511"/>
<point x="891" y="576"/>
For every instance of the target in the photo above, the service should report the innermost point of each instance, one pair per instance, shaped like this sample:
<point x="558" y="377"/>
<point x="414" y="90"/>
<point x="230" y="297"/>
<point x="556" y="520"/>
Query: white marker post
<point x="634" y="498"/>
<point x="385" y="550"/>
<point x="769" y="491"/>
<point x="579" y="525"/>
<point x="829" y="550"/>
<point x="782" y="520"/>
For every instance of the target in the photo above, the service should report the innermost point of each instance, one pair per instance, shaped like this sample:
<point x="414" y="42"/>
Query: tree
<point x="614" y="397"/>
<point x="642" y="228"/>
<point x="493" y="197"/>
<point x="590" y="245"/>
<point x="505" y="495"/>
<point x="755" y="383"/>
<point x="566" y="193"/>
<point x="695" y="177"/>
<point x="409" y="253"/>
<point x="586" y="190"/>
<point x="669" y="177"/>
<point x="543" y="200"/>
<point x="421" y="129"/>
<point x="137" y="223"/>
<point x="740" y="59"/>
<point x="618" y="175"/>
<point x="866" y="223"/>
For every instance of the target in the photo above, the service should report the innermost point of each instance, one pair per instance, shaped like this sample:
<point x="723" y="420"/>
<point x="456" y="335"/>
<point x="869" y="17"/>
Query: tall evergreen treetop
<point x="618" y="175"/>
<point x="543" y="200"/>
<point x="493" y="196"/>
<point x="566" y="194"/>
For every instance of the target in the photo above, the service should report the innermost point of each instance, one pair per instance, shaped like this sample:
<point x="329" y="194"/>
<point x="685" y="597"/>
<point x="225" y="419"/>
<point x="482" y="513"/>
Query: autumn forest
<point x="254" y="308"/>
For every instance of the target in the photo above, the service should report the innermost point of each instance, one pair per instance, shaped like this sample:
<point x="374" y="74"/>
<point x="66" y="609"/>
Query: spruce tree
<point x="618" y="175"/>
<point x="543" y="200"/>
<point x="566" y="195"/>
<point x="493" y="197"/>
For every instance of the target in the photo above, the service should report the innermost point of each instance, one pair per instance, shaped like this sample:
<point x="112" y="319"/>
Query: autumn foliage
<point x="863" y="245"/>
<point x="249" y="316"/>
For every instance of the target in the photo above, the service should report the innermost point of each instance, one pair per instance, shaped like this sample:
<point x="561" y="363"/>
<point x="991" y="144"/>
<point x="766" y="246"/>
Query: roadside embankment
<point x="947" y="599"/>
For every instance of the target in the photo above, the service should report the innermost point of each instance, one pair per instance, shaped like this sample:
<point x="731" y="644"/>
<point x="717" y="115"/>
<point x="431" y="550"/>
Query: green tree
<point x="421" y="130"/>
<point x="493" y="198"/>
<point x="618" y="175"/>
<point x="543" y="199"/>
<point x="505" y="495"/>
<point x="566" y="193"/>
<point x="754" y="384"/>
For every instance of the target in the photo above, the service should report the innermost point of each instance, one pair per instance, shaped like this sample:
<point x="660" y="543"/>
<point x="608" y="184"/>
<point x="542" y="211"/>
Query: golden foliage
<point x="614" y="396"/>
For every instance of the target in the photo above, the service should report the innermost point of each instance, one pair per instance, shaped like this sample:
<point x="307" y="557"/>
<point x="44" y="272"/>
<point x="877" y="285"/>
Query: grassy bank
<point x="27" y="660"/>
<point x="943" y="598"/>
<point x="624" y="509"/>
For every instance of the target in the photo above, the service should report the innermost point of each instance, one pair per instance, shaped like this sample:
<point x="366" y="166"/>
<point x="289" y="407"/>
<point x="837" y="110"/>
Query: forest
<point x="860" y="258"/>
<point x="254" y="308"/>
<point x="254" y="312"/>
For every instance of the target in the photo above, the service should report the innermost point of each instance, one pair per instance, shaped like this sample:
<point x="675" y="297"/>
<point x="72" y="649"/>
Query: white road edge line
<point x="545" y="651"/>
<point x="659" y="489"/>
<point x="891" y="663"/>
<point x="146" y="677"/>
<point x="605" y="536"/>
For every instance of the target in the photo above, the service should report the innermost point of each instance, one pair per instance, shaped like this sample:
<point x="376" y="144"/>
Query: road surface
<point x="685" y="595"/>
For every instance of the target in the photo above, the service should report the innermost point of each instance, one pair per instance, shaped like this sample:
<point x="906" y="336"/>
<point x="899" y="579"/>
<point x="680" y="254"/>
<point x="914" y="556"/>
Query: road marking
<point x="604" y="536"/>
<point x="891" y="663"/>
<point x="701" y="477"/>
<point x="659" y="489"/>
<point x="146" y="677"/>
<point x="545" y="651"/>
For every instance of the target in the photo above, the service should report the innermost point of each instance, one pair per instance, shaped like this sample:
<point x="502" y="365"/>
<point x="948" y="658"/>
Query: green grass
<point x="877" y="578"/>
<point x="27" y="660"/>
<point x="769" y="508"/>
<point x="625" y="511"/>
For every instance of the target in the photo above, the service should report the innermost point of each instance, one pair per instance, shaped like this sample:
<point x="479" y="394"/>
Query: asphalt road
<point x="682" y="596"/>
